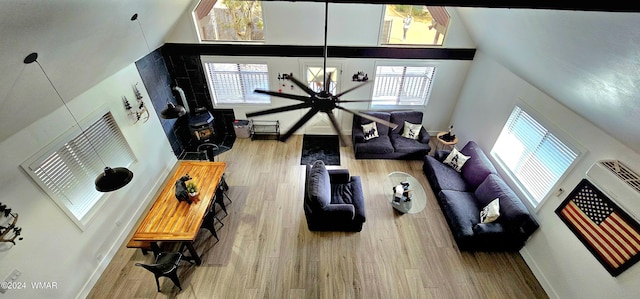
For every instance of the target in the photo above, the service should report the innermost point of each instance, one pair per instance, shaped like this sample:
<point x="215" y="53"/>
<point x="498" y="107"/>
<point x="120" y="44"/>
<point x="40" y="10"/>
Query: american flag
<point x="610" y="234"/>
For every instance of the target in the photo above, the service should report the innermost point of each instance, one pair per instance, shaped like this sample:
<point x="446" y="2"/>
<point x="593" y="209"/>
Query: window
<point x="229" y="20"/>
<point x="414" y="25"/>
<point x="234" y="83"/>
<point x="67" y="168"/>
<point x="402" y="85"/>
<point x="533" y="156"/>
<point x="315" y="79"/>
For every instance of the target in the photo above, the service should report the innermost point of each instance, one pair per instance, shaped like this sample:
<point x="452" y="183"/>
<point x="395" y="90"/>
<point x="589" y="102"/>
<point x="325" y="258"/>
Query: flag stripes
<point x="609" y="233"/>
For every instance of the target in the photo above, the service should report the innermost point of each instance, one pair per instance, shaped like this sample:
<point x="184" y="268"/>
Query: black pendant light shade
<point x="173" y="111"/>
<point x="113" y="179"/>
<point x="110" y="179"/>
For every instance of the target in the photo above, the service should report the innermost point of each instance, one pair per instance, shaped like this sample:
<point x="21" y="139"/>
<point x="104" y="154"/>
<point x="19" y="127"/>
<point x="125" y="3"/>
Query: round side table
<point x="442" y="143"/>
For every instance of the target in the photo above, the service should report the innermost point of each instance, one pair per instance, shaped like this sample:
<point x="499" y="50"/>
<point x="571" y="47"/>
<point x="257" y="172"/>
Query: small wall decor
<point x="8" y="229"/>
<point x="284" y="76"/>
<point x="140" y="112"/>
<point x="360" y="77"/>
<point x="609" y="233"/>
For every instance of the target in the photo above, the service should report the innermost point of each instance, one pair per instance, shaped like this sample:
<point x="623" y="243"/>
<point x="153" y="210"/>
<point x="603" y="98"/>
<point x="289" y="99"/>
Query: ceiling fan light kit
<point x="322" y="101"/>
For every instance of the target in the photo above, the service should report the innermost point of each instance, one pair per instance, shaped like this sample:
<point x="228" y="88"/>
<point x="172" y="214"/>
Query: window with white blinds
<point x="66" y="171"/>
<point x="532" y="155"/>
<point x="402" y="85"/>
<point x="234" y="83"/>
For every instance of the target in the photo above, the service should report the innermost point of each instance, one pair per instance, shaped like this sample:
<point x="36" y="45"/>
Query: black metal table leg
<point x="193" y="254"/>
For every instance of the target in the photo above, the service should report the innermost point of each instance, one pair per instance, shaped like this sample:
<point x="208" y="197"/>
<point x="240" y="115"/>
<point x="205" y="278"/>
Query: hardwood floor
<point x="274" y="255"/>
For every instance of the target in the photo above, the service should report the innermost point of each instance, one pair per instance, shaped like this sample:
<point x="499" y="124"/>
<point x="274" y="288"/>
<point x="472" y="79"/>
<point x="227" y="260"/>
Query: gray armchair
<point x="333" y="200"/>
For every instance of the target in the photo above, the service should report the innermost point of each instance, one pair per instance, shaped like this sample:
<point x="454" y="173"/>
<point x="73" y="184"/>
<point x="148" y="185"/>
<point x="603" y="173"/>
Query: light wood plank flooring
<point x="276" y="256"/>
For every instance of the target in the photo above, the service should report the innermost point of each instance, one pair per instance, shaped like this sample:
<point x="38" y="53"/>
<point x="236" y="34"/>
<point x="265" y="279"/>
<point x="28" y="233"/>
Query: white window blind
<point x="233" y="83"/>
<point x="402" y="85"/>
<point x="67" y="173"/>
<point x="532" y="154"/>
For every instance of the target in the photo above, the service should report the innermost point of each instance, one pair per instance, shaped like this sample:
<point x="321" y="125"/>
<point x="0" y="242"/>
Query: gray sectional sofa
<point x="390" y="144"/>
<point x="462" y="195"/>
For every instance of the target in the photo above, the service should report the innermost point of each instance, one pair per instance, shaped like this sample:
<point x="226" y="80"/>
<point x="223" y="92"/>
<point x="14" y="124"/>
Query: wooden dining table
<point x="171" y="220"/>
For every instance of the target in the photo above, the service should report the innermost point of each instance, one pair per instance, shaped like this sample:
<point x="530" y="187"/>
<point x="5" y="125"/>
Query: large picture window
<point x="234" y="83"/>
<point x="402" y="85"/>
<point x="414" y="25"/>
<point x="67" y="168"/>
<point x="229" y="20"/>
<point x="533" y="156"/>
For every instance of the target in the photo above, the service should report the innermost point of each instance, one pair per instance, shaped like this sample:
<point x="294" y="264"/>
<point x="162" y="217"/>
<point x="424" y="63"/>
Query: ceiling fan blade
<point x="283" y="95"/>
<point x="352" y="88"/>
<point x="334" y="122"/>
<point x="369" y="117"/>
<point x="353" y="101"/>
<point x="279" y="109"/>
<point x="302" y="86"/>
<point x="299" y="124"/>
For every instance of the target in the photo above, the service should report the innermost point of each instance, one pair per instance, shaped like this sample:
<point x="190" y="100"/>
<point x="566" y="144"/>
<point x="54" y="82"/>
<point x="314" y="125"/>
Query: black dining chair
<point x="165" y="264"/>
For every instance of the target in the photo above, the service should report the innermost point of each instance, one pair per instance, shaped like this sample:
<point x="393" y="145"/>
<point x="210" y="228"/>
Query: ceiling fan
<point x="322" y="101"/>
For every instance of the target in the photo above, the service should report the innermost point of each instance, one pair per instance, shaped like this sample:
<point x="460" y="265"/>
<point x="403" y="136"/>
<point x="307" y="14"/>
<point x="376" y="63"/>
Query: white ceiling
<point x="80" y="43"/>
<point x="590" y="61"/>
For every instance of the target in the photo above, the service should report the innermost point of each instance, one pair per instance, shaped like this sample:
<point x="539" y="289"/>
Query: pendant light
<point x="112" y="178"/>
<point x="172" y="111"/>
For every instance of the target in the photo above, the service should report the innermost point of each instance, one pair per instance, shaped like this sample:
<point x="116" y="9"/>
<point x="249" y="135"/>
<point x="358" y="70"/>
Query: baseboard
<point x="124" y="233"/>
<point x="537" y="272"/>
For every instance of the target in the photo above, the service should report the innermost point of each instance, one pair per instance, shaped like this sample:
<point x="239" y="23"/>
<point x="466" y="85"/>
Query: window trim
<point x="560" y="134"/>
<point x="234" y="60"/>
<point x="73" y="132"/>
<point x="400" y="63"/>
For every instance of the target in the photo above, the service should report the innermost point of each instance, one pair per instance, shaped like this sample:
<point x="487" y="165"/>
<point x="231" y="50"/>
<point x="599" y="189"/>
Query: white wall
<point x="302" y="23"/>
<point x="564" y="267"/>
<point x="54" y="249"/>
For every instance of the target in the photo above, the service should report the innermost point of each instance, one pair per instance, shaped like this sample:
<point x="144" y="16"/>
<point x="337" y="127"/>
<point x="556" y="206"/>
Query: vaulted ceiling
<point x="587" y="60"/>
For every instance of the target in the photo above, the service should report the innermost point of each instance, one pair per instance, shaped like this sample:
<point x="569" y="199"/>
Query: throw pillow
<point x="491" y="212"/>
<point x="456" y="160"/>
<point x="411" y="131"/>
<point x="370" y="130"/>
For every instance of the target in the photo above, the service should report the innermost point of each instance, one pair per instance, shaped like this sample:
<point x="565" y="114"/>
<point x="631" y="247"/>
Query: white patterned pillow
<point x="370" y="130"/>
<point x="411" y="131"/>
<point x="456" y="160"/>
<point x="491" y="212"/>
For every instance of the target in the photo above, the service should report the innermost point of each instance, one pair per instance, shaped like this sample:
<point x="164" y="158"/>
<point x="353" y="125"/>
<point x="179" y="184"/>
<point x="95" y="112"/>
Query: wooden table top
<point x="173" y="220"/>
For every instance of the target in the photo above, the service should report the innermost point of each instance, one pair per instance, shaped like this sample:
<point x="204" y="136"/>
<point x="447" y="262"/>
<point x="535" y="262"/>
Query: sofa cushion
<point x="370" y="130"/>
<point x="461" y="211"/>
<point x="442" y="177"/>
<point x="478" y="167"/>
<point x="491" y="212"/>
<point x="341" y="194"/>
<point x="382" y="130"/>
<point x="380" y="145"/>
<point x="455" y="160"/>
<point x="513" y="213"/>
<point x="406" y="145"/>
<point x="399" y="117"/>
<point x="411" y="131"/>
<point x="319" y="187"/>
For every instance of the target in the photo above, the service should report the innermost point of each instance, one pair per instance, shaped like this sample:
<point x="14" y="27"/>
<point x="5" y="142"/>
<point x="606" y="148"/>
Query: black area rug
<point x="320" y="147"/>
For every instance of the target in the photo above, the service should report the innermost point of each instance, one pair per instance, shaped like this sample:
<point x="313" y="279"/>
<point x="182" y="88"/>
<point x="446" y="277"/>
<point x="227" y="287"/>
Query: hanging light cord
<point x="73" y="116"/>
<point x="135" y="18"/>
